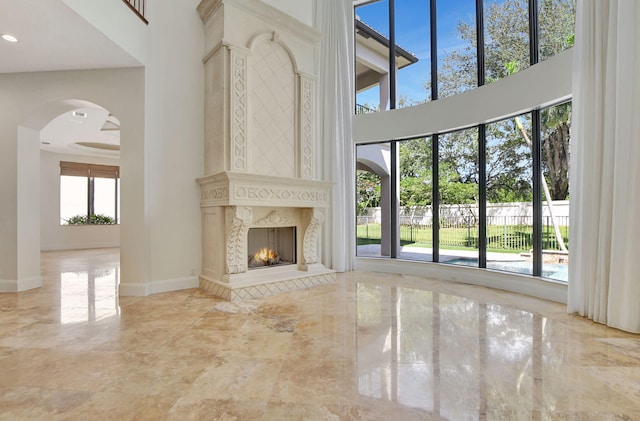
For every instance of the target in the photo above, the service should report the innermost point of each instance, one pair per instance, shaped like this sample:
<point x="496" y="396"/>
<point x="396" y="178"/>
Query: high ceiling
<point x="51" y="36"/>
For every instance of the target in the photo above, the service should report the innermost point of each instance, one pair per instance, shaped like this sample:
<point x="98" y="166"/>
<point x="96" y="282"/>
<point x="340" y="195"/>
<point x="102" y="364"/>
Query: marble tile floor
<point x="370" y="347"/>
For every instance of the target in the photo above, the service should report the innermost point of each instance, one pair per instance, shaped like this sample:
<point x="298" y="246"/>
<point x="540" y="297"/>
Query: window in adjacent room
<point x="89" y="194"/>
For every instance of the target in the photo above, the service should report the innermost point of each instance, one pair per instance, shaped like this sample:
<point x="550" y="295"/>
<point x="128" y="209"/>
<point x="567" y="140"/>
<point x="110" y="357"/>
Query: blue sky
<point x="413" y="34"/>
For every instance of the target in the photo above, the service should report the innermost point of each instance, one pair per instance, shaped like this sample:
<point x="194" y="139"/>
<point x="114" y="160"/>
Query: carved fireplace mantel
<point x="242" y="189"/>
<point x="260" y="148"/>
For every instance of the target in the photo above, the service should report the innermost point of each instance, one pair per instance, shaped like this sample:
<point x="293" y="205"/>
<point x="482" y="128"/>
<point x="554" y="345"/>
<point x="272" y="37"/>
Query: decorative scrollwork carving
<point x="310" y="243"/>
<point x="275" y="219"/>
<point x="279" y="195"/>
<point x="237" y="221"/>
<point x="238" y="111"/>
<point x="307" y="129"/>
<point x="214" y="193"/>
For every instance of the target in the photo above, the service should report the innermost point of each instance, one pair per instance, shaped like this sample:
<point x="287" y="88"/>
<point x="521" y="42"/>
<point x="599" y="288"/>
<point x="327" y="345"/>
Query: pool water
<point x="556" y="272"/>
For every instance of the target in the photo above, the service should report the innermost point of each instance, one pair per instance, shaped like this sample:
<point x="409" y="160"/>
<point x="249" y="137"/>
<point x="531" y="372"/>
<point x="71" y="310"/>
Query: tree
<point x="506" y="52"/>
<point x="367" y="190"/>
<point x="509" y="163"/>
<point x="556" y="126"/>
<point x="415" y="172"/>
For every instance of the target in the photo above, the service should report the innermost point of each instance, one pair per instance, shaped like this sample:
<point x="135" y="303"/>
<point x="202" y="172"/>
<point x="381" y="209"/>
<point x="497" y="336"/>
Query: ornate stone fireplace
<point x="259" y="150"/>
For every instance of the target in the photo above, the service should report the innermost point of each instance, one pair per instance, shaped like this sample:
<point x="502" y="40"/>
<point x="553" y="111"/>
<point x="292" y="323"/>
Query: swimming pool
<point x="556" y="272"/>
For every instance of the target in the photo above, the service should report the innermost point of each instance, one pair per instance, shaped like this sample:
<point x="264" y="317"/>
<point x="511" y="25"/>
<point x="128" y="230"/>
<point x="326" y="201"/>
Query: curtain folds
<point x="334" y="19"/>
<point x="604" y="273"/>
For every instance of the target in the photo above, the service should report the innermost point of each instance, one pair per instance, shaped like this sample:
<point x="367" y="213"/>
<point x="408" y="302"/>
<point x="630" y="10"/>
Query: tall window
<point x="555" y="125"/>
<point x="373" y="191"/>
<point x="500" y="37"/>
<point x="509" y="195"/>
<point x="89" y="194"/>
<point x="456" y="53"/>
<point x="490" y="194"/>
<point x="458" y="182"/>
<point x="416" y="189"/>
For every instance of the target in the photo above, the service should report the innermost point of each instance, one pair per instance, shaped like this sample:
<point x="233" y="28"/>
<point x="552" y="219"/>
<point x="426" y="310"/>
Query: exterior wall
<point x="543" y="84"/>
<point x="421" y="215"/>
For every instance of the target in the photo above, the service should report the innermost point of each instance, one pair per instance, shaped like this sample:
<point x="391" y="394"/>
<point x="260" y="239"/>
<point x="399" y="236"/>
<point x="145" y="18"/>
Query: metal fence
<point x="508" y="233"/>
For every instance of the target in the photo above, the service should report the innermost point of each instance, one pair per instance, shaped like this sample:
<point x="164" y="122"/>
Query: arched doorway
<point x="84" y="136"/>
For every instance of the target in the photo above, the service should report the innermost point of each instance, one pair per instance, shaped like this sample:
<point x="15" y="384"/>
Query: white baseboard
<point x="8" y="285"/>
<point x="132" y="289"/>
<point x="521" y="284"/>
<point x="24" y="284"/>
<point x="174" y="284"/>
<point x="81" y="246"/>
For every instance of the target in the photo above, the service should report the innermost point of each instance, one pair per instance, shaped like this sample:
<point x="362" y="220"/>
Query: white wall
<point x="115" y="20"/>
<point x="54" y="236"/>
<point x="25" y="101"/>
<point x="539" y="85"/>
<point x="174" y="147"/>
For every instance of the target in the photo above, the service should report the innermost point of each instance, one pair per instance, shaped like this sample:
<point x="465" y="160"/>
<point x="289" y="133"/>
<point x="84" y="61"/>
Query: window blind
<point x="81" y="169"/>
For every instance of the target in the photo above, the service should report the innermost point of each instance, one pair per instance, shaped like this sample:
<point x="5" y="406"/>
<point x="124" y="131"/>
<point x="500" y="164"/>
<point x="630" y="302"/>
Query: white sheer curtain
<point x="334" y="19"/>
<point x="604" y="273"/>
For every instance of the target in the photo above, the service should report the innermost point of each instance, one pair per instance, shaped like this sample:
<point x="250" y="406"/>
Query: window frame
<point x="91" y="172"/>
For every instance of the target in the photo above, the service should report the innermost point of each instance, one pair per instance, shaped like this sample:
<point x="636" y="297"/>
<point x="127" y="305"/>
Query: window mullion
<point x="482" y="195"/>
<point x="536" y="155"/>
<point x="91" y="206"/>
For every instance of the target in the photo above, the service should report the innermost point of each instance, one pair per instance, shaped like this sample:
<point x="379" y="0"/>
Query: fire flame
<point x="265" y="255"/>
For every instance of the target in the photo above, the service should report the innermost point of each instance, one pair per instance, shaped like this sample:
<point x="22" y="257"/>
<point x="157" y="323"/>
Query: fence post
<point x="366" y="224"/>
<point x="504" y="233"/>
<point x="547" y="230"/>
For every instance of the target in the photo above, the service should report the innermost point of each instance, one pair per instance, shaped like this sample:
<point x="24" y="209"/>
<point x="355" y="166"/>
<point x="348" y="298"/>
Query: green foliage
<point x="415" y="172"/>
<point x="506" y="42"/>
<point x="99" y="219"/>
<point x="367" y="191"/>
<point x="96" y="219"/>
<point x="508" y="150"/>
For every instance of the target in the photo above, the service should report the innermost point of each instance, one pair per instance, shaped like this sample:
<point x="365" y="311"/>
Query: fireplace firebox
<point x="271" y="247"/>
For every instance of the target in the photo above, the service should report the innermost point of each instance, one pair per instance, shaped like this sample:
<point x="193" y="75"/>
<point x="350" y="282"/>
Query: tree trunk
<point x="546" y="192"/>
<point x="556" y="150"/>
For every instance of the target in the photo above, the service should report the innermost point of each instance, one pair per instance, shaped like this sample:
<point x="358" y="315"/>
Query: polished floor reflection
<point x="370" y="347"/>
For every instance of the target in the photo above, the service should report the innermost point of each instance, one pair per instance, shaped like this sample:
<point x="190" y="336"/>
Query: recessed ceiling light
<point x="9" y="37"/>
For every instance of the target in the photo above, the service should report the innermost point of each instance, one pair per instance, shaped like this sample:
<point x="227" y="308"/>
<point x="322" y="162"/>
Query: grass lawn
<point x="509" y="238"/>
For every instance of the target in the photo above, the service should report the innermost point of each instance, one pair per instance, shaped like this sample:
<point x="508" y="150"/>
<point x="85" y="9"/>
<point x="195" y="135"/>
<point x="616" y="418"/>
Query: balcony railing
<point x="138" y="7"/>
<point x="363" y="109"/>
